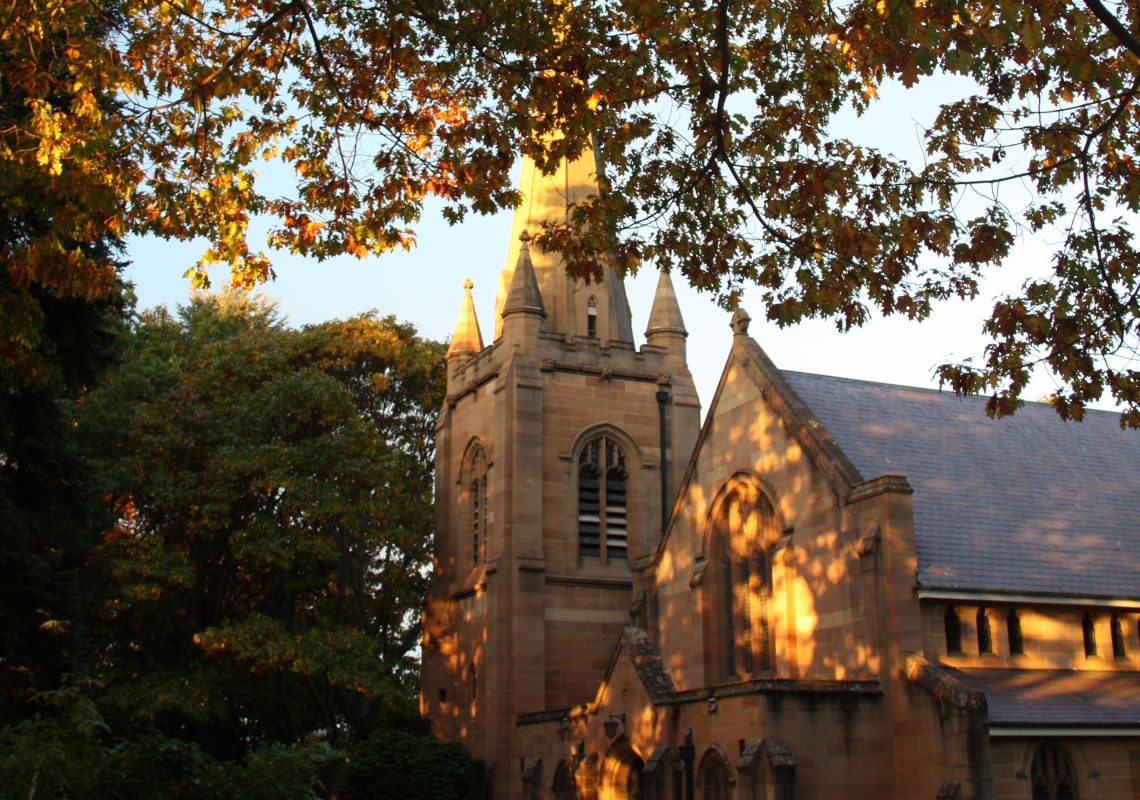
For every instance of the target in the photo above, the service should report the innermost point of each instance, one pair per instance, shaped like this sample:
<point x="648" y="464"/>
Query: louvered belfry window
<point x="603" y="501"/>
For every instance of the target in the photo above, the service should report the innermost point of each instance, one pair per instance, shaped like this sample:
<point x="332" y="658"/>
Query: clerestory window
<point x="1117" y="629"/>
<point x="1088" y="631"/>
<point x="603" y="501"/>
<point x="1013" y="631"/>
<point x="985" y="636"/>
<point x="953" y="625"/>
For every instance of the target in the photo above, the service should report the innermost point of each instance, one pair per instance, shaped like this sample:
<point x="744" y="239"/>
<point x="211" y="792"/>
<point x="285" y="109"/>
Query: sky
<point x="425" y="286"/>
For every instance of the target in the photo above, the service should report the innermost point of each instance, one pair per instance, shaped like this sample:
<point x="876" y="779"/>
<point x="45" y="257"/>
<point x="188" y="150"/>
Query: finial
<point x="467" y="340"/>
<point x="524" y="237"/>
<point x="740" y="320"/>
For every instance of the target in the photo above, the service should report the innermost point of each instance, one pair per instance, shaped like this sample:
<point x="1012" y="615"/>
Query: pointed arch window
<point x="1118" y="650"/>
<point x="713" y="777"/>
<point x="478" y="510"/>
<point x="1013" y="632"/>
<point x="744" y="534"/>
<point x="603" y="501"/>
<point x="985" y="635"/>
<point x="1088" y="630"/>
<point x="565" y="788"/>
<point x="953" y="625"/>
<point x="1052" y="774"/>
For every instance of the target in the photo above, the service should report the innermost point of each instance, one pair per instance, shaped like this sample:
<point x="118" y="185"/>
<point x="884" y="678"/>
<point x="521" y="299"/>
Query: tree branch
<point x="1122" y="34"/>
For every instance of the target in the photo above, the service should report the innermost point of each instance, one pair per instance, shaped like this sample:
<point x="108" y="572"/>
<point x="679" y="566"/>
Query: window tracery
<point x="478" y="510"/>
<point x="1052" y="774"/>
<point x="744" y="533"/>
<point x="603" y="502"/>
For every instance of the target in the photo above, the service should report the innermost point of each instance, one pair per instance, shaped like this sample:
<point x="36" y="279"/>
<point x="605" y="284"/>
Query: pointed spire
<point x="550" y="200"/>
<point x="523" y="296"/>
<point x="665" y="316"/>
<point x="467" y="338"/>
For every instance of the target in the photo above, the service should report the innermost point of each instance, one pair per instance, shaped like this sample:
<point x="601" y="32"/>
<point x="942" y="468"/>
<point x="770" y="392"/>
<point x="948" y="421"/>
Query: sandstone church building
<point x="830" y="589"/>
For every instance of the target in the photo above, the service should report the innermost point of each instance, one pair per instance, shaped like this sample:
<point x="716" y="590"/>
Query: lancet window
<point x="1088" y="632"/>
<point x="953" y="625"/>
<point x="1013" y="631"/>
<point x="985" y="635"/>
<point x="744" y="535"/>
<point x="603" y="501"/>
<point x="1052" y="774"/>
<point x="479" y="513"/>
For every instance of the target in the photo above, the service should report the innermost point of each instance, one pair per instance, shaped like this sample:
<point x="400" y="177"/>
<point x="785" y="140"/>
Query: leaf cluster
<point x="272" y="489"/>
<point x="719" y="131"/>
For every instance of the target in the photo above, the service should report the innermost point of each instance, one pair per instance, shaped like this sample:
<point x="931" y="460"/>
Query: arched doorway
<point x="621" y="773"/>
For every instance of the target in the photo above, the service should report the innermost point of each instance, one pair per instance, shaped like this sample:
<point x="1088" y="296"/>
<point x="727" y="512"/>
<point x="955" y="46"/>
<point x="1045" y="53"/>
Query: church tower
<point x="558" y="454"/>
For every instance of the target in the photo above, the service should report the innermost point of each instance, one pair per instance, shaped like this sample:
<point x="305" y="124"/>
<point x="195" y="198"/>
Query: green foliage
<point x="273" y="494"/>
<point x="68" y="751"/>
<point x="393" y="763"/>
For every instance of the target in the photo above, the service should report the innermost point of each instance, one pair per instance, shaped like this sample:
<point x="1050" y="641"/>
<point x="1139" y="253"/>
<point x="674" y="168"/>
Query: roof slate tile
<point x="1025" y="504"/>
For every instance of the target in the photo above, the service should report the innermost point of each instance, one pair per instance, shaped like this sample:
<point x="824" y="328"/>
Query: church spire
<point x="524" y="296"/>
<point x="666" y="328"/>
<point x="665" y="316"/>
<point x="467" y="339"/>
<point x="550" y="199"/>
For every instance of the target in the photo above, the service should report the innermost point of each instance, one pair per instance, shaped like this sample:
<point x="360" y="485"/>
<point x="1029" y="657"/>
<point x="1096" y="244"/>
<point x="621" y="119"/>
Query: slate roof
<point x="1056" y="698"/>
<point x="1026" y="504"/>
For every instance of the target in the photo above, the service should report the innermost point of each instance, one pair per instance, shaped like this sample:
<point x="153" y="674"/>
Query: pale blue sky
<point x="425" y="285"/>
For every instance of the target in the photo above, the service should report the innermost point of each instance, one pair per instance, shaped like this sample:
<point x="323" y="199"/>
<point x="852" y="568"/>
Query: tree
<point x="273" y="491"/>
<point x="714" y="125"/>
<point x="62" y="313"/>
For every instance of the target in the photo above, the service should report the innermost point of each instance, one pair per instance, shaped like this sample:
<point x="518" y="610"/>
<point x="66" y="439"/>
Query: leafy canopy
<point x="273" y="490"/>
<point x="717" y="129"/>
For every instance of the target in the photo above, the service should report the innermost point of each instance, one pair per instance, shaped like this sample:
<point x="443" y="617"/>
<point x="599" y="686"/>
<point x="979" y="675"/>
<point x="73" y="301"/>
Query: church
<point x="830" y="588"/>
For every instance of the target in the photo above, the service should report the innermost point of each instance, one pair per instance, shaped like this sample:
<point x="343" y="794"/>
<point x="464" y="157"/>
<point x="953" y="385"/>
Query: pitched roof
<point x="1056" y="698"/>
<point x="1025" y="504"/>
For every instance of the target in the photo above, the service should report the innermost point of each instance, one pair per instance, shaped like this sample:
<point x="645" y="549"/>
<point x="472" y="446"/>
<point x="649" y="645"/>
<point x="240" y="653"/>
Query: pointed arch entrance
<point x="621" y="772"/>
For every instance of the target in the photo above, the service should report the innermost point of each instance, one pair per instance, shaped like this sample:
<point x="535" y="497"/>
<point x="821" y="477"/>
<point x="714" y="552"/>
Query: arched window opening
<point x="592" y="318"/>
<point x="985" y="639"/>
<point x="1013" y="633"/>
<point x="744" y="532"/>
<point x="953" y="626"/>
<point x="603" y="503"/>
<point x="564" y="786"/>
<point x="1118" y="637"/>
<point x="621" y="773"/>
<point x="477" y="503"/>
<point x="1052" y="774"/>
<point x="713" y="777"/>
<point x="1089" y="632"/>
